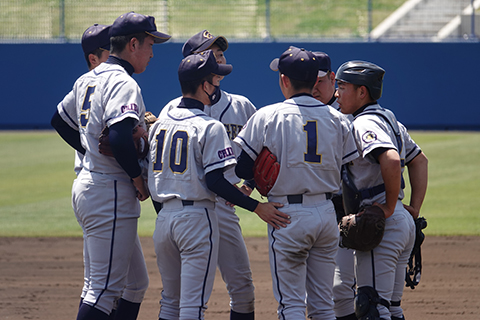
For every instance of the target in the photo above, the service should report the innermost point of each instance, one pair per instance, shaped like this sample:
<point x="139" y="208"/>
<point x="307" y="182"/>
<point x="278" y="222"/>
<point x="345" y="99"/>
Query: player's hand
<point x="414" y="212"/>
<point x="269" y="213"/>
<point x="141" y="186"/>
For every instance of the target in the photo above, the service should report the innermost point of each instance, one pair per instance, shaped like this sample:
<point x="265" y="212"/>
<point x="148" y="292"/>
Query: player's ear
<point x="132" y="44"/>
<point x="93" y="59"/>
<point x="332" y="77"/>
<point x="285" y="80"/>
<point x="205" y="86"/>
<point x="363" y="92"/>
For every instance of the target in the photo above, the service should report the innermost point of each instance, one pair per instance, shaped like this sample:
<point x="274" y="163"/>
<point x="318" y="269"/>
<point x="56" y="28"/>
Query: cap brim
<point x="223" y="69"/>
<point x="220" y="41"/>
<point x="322" y="73"/>
<point x="274" y="64"/>
<point x="159" y="37"/>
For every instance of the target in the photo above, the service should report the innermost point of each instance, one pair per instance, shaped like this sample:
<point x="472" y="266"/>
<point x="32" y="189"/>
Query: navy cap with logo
<point x="197" y="66"/>
<point x="325" y="63"/>
<point x="96" y="36"/>
<point x="298" y="64"/>
<point x="203" y="41"/>
<point x="131" y="23"/>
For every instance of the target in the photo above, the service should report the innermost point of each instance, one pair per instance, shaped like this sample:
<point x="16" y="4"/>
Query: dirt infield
<point x="41" y="278"/>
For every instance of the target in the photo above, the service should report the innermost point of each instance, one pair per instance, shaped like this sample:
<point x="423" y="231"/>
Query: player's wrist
<point x="246" y="190"/>
<point x="257" y="206"/>
<point x="138" y="178"/>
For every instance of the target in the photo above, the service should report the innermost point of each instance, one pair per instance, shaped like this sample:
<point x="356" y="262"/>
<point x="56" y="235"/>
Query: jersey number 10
<point x="178" y="152"/>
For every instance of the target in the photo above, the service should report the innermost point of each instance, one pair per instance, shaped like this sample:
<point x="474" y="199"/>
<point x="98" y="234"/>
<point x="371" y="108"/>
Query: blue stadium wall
<point x="428" y="85"/>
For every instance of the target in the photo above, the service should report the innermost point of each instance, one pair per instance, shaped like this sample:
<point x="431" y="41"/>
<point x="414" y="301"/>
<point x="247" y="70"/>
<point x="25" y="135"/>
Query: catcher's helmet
<point x="362" y="73"/>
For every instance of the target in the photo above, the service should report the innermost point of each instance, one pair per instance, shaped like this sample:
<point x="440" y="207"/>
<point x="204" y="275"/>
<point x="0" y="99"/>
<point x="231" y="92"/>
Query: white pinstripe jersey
<point x="186" y="144"/>
<point x="68" y="112"/>
<point x="105" y="96"/>
<point x="311" y="141"/>
<point x="372" y="131"/>
<point x="233" y="111"/>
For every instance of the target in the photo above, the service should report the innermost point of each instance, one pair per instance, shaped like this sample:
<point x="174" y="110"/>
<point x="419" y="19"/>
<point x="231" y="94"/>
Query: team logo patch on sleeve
<point x="130" y="107"/>
<point x="369" y="137"/>
<point x="222" y="154"/>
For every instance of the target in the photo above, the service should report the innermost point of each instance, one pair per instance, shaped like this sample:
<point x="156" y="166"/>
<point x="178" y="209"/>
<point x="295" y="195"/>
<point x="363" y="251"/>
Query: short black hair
<point x="98" y="52"/>
<point x="299" y="85"/>
<point x="191" y="87"/>
<point x="118" y="43"/>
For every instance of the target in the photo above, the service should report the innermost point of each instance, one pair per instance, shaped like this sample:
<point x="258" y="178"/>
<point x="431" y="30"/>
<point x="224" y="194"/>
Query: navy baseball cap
<point x="198" y="66"/>
<point x="96" y="36"/>
<point x="131" y="22"/>
<point x="325" y="63"/>
<point x="203" y="41"/>
<point x="298" y="64"/>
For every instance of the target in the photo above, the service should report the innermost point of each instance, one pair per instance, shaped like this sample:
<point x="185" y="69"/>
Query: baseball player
<point x="311" y="142"/>
<point x="233" y="111"/>
<point x="324" y="88"/>
<point x="384" y="146"/>
<point x="344" y="280"/>
<point x="189" y="152"/>
<point x="96" y="46"/>
<point x="107" y="190"/>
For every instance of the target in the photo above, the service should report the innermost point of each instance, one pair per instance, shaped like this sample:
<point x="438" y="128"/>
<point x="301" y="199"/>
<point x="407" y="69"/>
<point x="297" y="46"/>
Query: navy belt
<point x="159" y="206"/>
<point x="298" y="198"/>
<point x="187" y="202"/>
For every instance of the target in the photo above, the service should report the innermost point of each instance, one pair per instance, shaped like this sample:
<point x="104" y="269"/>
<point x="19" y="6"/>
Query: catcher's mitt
<point x="363" y="231"/>
<point x="414" y="267"/>
<point x="140" y="138"/>
<point x="149" y="119"/>
<point x="265" y="171"/>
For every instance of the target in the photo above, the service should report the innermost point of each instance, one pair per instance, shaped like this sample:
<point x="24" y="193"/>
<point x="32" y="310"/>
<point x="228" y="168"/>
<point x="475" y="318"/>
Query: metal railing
<point x="245" y="20"/>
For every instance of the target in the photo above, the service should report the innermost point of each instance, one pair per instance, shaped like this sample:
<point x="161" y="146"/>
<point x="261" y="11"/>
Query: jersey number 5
<point x="87" y="103"/>
<point x="178" y="152"/>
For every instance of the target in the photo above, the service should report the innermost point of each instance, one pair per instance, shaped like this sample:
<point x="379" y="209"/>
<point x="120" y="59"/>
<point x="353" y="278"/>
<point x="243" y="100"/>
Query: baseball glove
<point x="149" y="119"/>
<point x="140" y="138"/>
<point x="363" y="231"/>
<point x="265" y="171"/>
<point x="414" y="267"/>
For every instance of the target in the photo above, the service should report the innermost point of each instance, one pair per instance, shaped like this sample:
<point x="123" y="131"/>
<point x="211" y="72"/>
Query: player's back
<point x="185" y="144"/>
<point x="104" y="96"/>
<point x="312" y="141"/>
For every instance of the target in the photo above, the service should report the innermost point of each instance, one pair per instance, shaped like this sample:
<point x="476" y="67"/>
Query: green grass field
<point x="36" y="170"/>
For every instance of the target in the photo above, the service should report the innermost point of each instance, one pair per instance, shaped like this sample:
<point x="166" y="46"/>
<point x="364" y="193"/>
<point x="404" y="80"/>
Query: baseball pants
<point x="302" y="259"/>
<point x="233" y="261"/>
<point x="383" y="266"/>
<point x="186" y="244"/>
<point x="344" y="283"/>
<point x="107" y="210"/>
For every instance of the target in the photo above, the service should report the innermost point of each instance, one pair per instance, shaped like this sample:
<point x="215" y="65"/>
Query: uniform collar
<point x="301" y="94"/>
<point x="190" y="103"/>
<point x="332" y="100"/>
<point x="356" y="113"/>
<point x="123" y="63"/>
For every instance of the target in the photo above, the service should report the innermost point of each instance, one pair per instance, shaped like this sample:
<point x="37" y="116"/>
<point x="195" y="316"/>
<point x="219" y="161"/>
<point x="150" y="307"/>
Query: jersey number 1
<point x="312" y="140"/>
